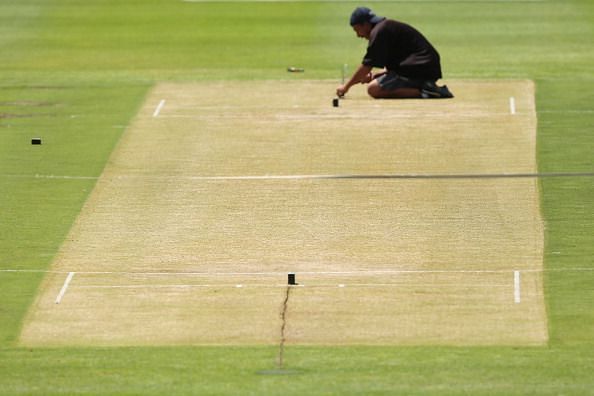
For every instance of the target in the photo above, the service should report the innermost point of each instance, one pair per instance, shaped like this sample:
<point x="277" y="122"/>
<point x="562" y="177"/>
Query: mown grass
<point x="313" y="370"/>
<point x="74" y="72"/>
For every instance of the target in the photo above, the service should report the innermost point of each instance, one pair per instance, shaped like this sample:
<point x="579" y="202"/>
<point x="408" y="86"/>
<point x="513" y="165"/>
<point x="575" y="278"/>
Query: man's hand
<point x="341" y="91"/>
<point x="362" y="75"/>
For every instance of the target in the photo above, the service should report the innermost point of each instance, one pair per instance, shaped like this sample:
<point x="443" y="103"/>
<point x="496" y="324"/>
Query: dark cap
<point x="364" y="14"/>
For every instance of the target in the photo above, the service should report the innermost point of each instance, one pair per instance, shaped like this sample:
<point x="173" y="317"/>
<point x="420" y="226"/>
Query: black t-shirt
<point x="401" y="48"/>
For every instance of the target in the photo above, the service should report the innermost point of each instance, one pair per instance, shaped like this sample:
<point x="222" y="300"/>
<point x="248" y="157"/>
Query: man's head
<point x="363" y="20"/>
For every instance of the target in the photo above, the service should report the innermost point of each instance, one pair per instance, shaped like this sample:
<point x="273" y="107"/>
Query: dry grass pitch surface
<point x="203" y="210"/>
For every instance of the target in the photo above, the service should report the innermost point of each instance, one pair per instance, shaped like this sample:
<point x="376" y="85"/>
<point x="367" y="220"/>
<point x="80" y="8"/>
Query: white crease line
<point x="385" y="176"/>
<point x="366" y="272"/>
<point x="353" y="273"/>
<point x="321" y="285"/>
<point x="379" y="176"/>
<point x="271" y="273"/>
<point x="210" y="285"/>
<point x="517" y="297"/>
<point x="309" y="117"/>
<point x="64" y="287"/>
<point x="512" y="105"/>
<point x="159" y="108"/>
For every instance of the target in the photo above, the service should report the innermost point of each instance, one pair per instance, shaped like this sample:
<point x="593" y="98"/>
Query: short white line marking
<point x="64" y="287"/>
<point x="159" y="108"/>
<point x="512" y="105"/>
<point x="517" y="297"/>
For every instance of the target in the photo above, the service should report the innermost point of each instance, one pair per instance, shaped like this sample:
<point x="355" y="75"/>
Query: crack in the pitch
<point x="283" y="337"/>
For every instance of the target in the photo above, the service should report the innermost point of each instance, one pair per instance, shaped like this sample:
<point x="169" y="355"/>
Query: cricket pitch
<point x="211" y="198"/>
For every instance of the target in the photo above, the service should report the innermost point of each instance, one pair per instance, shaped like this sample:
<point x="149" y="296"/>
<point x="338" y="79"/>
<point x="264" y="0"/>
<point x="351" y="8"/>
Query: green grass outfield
<point x="75" y="71"/>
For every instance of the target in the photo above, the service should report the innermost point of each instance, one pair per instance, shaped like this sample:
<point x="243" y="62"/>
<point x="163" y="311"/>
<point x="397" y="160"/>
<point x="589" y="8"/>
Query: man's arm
<point x="362" y="75"/>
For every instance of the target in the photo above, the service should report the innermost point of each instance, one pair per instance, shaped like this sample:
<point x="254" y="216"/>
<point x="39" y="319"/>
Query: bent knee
<point x="374" y="90"/>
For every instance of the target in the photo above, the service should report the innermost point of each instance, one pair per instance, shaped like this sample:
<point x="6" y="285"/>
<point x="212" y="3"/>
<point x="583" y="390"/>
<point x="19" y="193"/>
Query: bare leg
<point x="375" y="91"/>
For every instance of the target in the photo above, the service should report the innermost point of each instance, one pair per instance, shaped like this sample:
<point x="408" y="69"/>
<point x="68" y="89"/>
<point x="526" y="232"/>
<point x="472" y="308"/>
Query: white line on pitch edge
<point x="512" y="105"/>
<point x="159" y="108"/>
<point x="64" y="287"/>
<point x="517" y="297"/>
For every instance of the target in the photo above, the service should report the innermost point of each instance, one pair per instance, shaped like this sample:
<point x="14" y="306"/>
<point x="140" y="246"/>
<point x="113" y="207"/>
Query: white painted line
<point x="517" y="297"/>
<point x="159" y="108"/>
<point x="385" y="176"/>
<point x="177" y="286"/>
<point x="272" y="273"/>
<point x="64" y="287"/>
<point x="362" y="176"/>
<point x="309" y="117"/>
<point x="282" y="285"/>
<point x="512" y="105"/>
<point x="155" y="272"/>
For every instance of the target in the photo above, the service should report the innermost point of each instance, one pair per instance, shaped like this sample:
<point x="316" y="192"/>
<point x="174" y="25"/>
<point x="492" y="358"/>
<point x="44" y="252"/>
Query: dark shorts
<point x="392" y="81"/>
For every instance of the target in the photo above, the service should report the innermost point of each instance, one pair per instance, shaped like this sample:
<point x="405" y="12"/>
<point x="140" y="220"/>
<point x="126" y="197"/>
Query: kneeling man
<point x="410" y="64"/>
